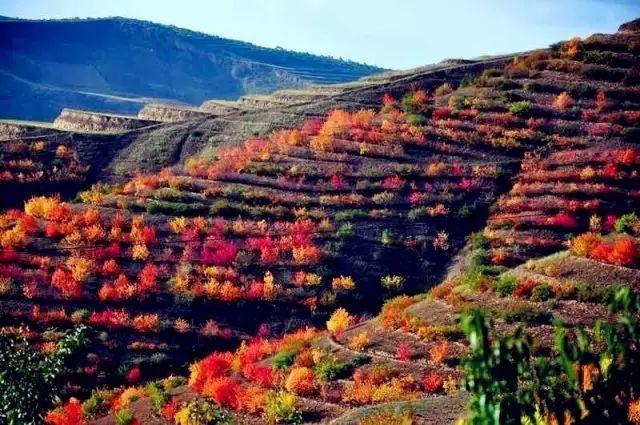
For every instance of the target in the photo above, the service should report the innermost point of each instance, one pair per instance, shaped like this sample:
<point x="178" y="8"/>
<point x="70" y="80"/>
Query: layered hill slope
<point x="332" y="220"/>
<point x="48" y="65"/>
<point x="168" y="134"/>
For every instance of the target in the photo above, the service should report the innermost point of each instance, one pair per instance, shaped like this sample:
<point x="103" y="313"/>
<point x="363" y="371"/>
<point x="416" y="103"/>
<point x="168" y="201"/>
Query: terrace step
<point x="87" y="121"/>
<point x="171" y="113"/>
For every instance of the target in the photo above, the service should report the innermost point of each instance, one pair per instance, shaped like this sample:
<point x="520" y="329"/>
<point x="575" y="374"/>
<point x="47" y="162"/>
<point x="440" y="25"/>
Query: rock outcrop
<point x="86" y="121"/>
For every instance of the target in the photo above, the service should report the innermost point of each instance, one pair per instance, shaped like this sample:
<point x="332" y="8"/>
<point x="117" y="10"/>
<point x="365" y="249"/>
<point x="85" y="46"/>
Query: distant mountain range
<point x="117" y="64"/>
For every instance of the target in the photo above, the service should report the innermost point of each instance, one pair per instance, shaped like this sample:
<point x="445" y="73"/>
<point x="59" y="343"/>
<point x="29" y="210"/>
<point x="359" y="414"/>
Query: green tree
<point x="30" y="381"/>
<point x="591" y="376"/>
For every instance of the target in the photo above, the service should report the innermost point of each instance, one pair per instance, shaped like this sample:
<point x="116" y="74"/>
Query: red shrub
<point x="148" y="234"/>
<point x="69" y="414"/>
<point x="564" y="220"/>
<point x="134" y="375"/>
<point x="110" y="268"/>
<point x="388" y="100"/>
<point x="211" y="367"/>
<point x="261" y="375"/>
<point x="312" y="127"/>
<point x="432" y="383"/>
<point x="393" y="183"/>
<point x="224" y="391"/>
<point x="601" y="252"/>
<point x="624" y="252"/>
<point x="219" y="253"/>
<point x="525" y="288"/>
<point x="110" y="318"/>
<point x="338" y="182"/>
<point x="609" y="222"/>
<point x="403" y="352"/>
<point x="610" y="171"/>
<point x="64" y="281"/>
<point x="148" y="280"/>
<point x="169" y="410"/>
<point x="29" y="224"/>
<point x="52" y="230"/>
<point x="441" y="113"/>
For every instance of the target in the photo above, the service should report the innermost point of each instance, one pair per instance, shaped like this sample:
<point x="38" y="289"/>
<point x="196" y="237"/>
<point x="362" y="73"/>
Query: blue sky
<point x="391" y="33"/>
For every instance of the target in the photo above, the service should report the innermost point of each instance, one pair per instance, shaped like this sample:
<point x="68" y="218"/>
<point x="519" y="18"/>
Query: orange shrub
<point x="178" y="225"/>
<point x="41" y="206"/>
<point x="80" y="267"/>
<point x="439" y="352"/>
<point x="181" y="326"/>
<point x="563" y="101"/>
<point x="394" y="314"/>
<point x="339" y="321"/>
<point x="582" y="245"/>
<point x="343" y="282"/>
<point x="147" y="323"/>
<point x="252" y="399"/>
<point x="301" y="381"/>
<point x="211" y="367"/>
<point x="139" y="252"/>
<point x="359" y="341"/>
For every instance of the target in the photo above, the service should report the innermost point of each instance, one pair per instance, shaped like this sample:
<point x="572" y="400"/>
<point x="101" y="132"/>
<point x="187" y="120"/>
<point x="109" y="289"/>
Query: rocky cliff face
<point x="170" y="113"/>
<point x="85" y="121"/>
<point x="10" y="130"/>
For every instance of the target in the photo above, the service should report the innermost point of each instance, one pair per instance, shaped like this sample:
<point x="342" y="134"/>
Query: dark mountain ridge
<point x="46" y="65"/>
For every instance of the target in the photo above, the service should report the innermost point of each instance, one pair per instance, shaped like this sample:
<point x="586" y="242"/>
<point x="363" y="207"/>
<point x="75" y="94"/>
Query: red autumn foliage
<point x="70" y="413"/>
<point x="110" y="268"/>
<point x="109" y="318"/>
<point x="622" y="251"/>
<point x="52" y="230"/>
<point x="441" y="113"/>
<point x="225" y="391"/>
<point x="393" y="183"/>
<point x="64" y="281"/>
<point x="134" y="375"/>
<point x="312" y="127"/>
<point x="261" y="375"/>
<point x="211" y="367"/>
<point x="432" y="383"/>
<point x="169" y="410"/>
<point x="403" y="352"/>
<point x="525" y="288"/>
<point x="148" y="280"/>
<point x="564" y="220"/>
<point x="219" y="253"/>
<point x="388" y="100"/>
<point x="338" y="182"/>
<point x="610" y="171"/>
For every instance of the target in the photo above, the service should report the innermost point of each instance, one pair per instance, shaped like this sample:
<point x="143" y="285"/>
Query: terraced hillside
<point x="181" y="132"/>
<point x="349" y="215"/>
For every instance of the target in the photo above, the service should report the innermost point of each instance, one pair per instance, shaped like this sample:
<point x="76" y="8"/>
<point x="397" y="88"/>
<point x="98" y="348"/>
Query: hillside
<point x="51" y="64"/>
<point x="162" y="135"/>
<point x="318" y="272"/>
